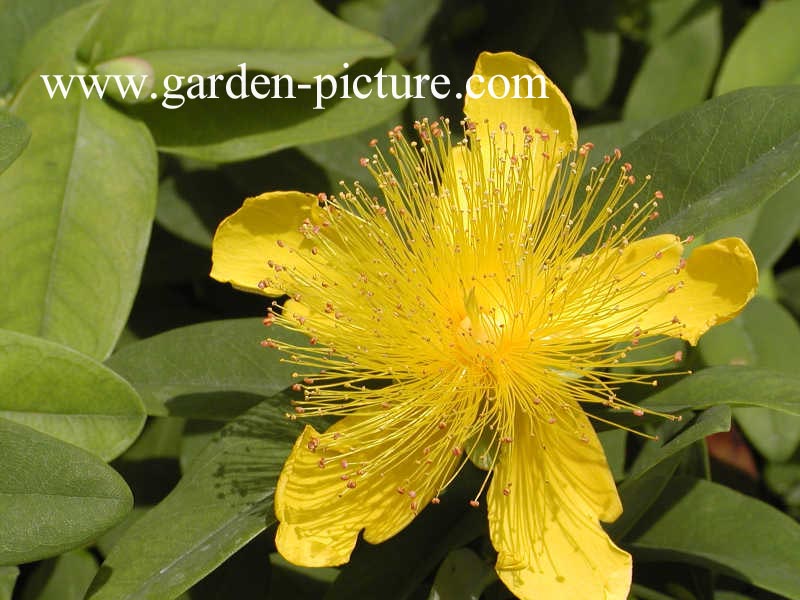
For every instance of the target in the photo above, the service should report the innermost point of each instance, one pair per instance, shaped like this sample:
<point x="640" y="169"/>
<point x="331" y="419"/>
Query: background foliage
<point x="141" y="427"/>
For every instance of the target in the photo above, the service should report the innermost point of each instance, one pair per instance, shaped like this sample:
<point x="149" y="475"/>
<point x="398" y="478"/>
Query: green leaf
<point x="76" y="210"/>
<point x="764" y="335"/>
<point x="592" y="85"/>
<point x="56" y="40"/>
<point x="766" y="52"/>
<point x="298" y="583"/>
<point x="759" y="546"/>
<point x="53" y="496"/>
<point x="229" y="129"/>
<point x="297" y="38"/>
<point x="63" y="393"/>
<point x="188" y="206"/>
<point x="720" y="159"/>
<point x="768" y="229"/>
<point x="64" y="578"/>
<point x="734" y="386"/>
<point x="19" y="21"/>
<point x="14" y="136"/>
<point x="389" y="19"/>
<point x="224" y="501"/>
<point x="582" y="57"/>
<point x="220" y="356"/>
<point x="608" y="136"/>
<point x="8" y="578"/>
<point x="788" y="283"/>
<point x="462" y="574"/>
<point x="713" y="420"/>
<point x="678" y="70"/>
<point x="614" y="442"/>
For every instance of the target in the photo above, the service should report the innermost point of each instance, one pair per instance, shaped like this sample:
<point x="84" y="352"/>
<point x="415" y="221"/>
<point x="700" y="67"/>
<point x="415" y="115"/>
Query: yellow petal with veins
<point x="551" y="115"/>
<point x="351" y="478"/>
<point x="266" y="228"/>
<point x="649" y="287"/>
<point x="547" y="496"/>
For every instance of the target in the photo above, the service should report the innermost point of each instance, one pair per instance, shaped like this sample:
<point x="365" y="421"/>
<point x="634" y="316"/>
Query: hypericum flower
<point x="465" y="314"/>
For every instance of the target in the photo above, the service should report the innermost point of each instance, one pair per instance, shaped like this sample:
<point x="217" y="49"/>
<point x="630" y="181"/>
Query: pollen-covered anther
<point x="638" y="412"/>
<point x="351" y="484"/>
<point x="678" y="356"/>
<point x="313" y="444"/>
<point x="457" y="451"/>
<point x="507" y="491"/>
<point x="321" y="463"/>
<point x="653" y="215"/>
<point x="296" y="387"/>
<point x="474" y="503"/>
<point x="269" y="343"/>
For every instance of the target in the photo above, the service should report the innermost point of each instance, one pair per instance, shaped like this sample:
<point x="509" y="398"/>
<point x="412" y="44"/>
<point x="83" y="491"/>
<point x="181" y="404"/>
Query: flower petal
<point x="550" y="114"/>
<point x="657" y="292"/>
<point x="322" y="510"/>
<point x="546" y="496"/>
<point x="247" y="239"/>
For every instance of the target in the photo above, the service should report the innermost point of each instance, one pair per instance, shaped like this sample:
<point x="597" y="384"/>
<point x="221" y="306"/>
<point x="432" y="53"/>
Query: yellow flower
<point x="464" y="315"/>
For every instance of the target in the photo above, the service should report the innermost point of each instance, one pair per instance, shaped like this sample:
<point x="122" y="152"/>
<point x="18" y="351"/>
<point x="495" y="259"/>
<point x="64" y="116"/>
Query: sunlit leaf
<point x="14" y="136"/>
<point x="66" y="577"/>
<point x="677" y="72"/>
<point x="766" y="51"/>
<point x="224" y="501"/>
<point x="219" y="356"/>
<point x="75" y="215"/>
<point x="53" y="495"/>
<point x="759" y="545"/>
<point x="63" y="393"/>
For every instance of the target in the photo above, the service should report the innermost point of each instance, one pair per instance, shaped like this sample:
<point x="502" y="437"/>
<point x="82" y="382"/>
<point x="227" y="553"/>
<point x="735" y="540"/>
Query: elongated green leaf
<point x="53" y="496"/>
<point x="639" y="493"/>
<point x="221" y="356"/>
<point x="678" y="70"/>
<point x="759" y="545"/>
<point x="764" y="335"/>
<point x="75" y="215"/>
<point x="228" y="129"/>
<point x="766" y="52"/>
<point x="220" y="504"/>
<point x="54" y="40"/>
<point x="14" y="136"/>
<point x="769" y="229"/>
<point x="184" y="37"/>
<point x="60" y="392"/>
<point x="8" y="579"/>
<point x="735" y="386"/>
<point x="389" y="19"/>
<point x="463" y="574"/>
<point x="19" y="21"/>
<point x="722" y="158"/>
<point x="713" y="420"/>
<point x="789" y="288"/>
<point x="64" y="578"/>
